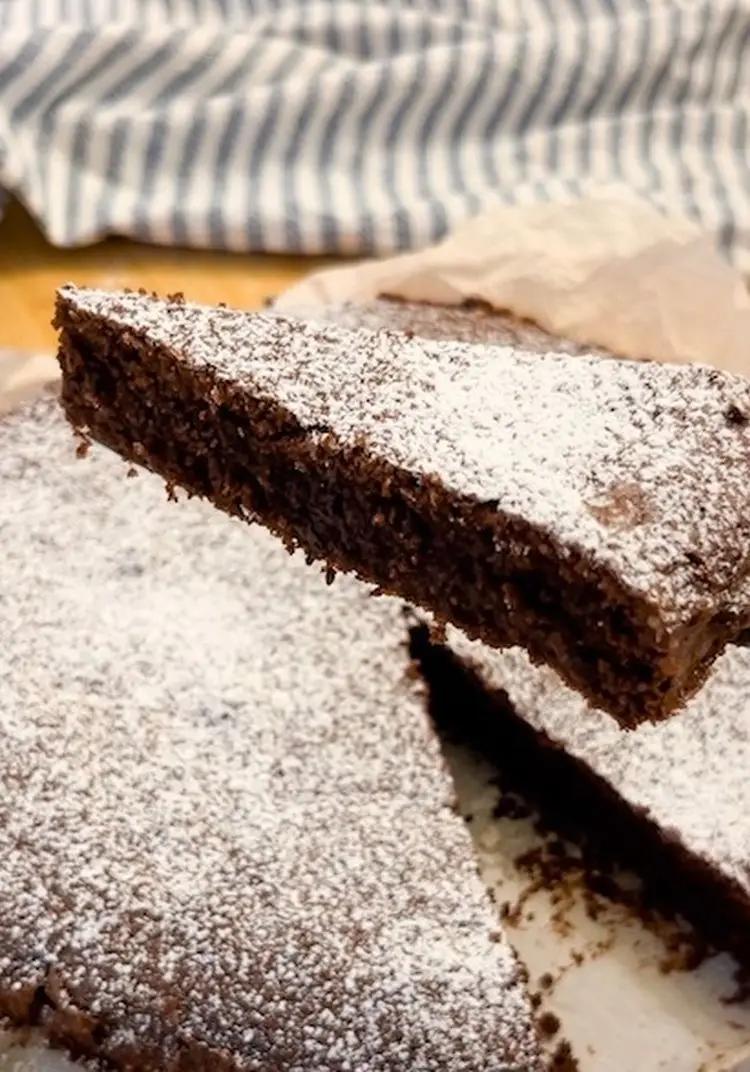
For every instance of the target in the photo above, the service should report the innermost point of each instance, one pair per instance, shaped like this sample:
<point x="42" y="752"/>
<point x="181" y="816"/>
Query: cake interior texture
<point x="226" y="834"/>
<point x="589" y="509"/>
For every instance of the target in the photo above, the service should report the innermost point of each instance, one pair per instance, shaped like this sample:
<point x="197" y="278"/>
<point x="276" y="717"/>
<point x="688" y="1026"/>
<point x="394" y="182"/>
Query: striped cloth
<point x="365" y="125"/>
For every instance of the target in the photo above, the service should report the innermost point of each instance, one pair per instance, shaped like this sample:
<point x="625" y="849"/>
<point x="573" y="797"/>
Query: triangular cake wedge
<point x="226" y="833"/>
<point x="593" y="511"/>
<point x="670" y="800"/>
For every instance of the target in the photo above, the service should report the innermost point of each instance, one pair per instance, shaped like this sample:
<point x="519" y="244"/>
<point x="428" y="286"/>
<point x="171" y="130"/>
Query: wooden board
<point x="31" y="269"/>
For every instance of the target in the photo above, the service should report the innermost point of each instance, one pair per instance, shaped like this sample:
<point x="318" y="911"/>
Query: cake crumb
<point x="563" y="1059"/>
<point x="548" y="1024"/>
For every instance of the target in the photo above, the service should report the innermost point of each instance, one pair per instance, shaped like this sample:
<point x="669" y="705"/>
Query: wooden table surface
<point x="31" y="269"/>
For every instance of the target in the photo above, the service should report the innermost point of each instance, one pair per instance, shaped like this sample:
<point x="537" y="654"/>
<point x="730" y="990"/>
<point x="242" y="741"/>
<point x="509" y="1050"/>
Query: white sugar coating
<point x="224" y="818"/>
<point x="643" y="467"/>
<point x="465" y="323"/>
<point x="688" y="775"/>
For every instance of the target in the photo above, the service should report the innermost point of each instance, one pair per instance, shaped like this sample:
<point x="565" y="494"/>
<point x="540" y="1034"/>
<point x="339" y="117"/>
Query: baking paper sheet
<point x="613" y="274"/>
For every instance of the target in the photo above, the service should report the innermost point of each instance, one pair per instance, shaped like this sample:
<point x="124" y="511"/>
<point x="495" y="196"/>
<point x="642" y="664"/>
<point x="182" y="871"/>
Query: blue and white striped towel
<point x="366" y="125"/>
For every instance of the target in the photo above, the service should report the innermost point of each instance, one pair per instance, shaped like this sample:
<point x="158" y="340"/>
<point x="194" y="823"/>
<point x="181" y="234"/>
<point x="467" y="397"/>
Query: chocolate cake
<point x="226" y="834"/>
<point x="671" y="800"/>
<point x="594" y="511"/>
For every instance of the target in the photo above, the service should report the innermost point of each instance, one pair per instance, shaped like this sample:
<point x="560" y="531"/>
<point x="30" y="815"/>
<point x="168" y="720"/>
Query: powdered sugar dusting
<point x="224" y="819"/>
<point x="465" y="323"/>
<point x="645" y="467"/>
<point x="688" y="774"/>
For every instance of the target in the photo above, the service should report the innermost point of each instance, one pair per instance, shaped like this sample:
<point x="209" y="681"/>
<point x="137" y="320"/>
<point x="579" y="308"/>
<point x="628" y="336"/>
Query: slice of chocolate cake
<point x="594" y="511"/>
<point x="226" y="834"/>
<point x="671" y="800"/>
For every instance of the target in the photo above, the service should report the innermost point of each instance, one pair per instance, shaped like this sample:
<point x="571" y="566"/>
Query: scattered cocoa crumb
<point x="535" y="998"/>
<point x="686" y="953"/>
<point x="563" y="1059"/>
<point x="84" y="443"/>
<point x="734" y="415"/>
<point x="548" y="1024"/>
<point x="514" y="914"/>
<point x="132" y="472"/>
<point x="574" y="868"/>
<point x="604" y="945"/>
<point x="547" y="981"/>
<point x="411" y="672"/>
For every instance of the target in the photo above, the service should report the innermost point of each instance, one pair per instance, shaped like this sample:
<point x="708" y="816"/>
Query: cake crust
<point x="594" y="511"/>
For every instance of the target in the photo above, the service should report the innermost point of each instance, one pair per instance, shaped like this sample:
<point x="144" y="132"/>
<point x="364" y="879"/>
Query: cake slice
<point x="594" y="511"/>
<point x="226" y="839"/>
<point x="670" y="800"/>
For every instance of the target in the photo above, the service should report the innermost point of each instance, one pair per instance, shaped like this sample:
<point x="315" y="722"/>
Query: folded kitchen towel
<point x="367" y="125"/>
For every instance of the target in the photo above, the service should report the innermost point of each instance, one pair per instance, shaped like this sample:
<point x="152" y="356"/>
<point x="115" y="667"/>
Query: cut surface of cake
<point x="593" y="511"/>
<point x="226" y="834"/>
